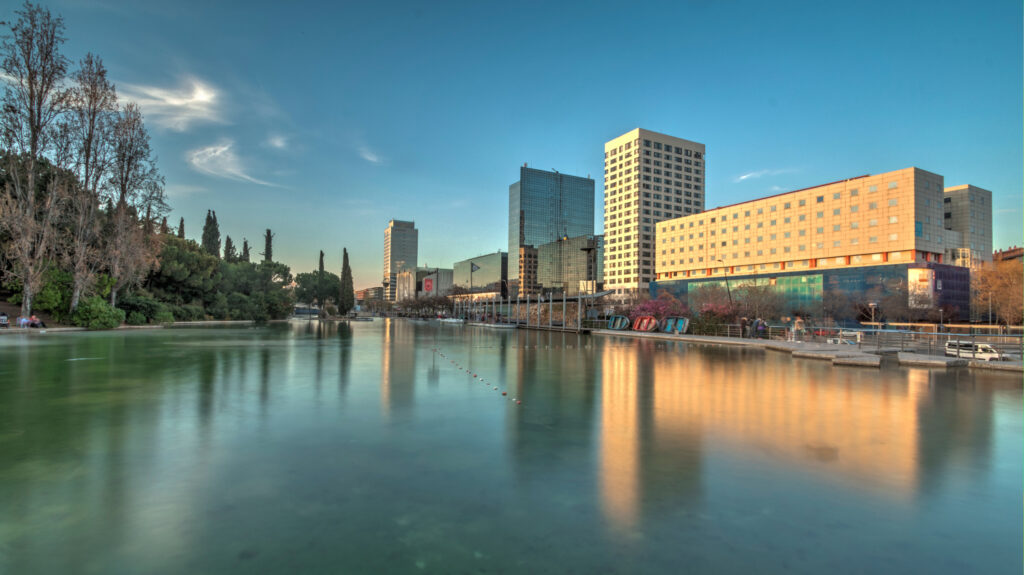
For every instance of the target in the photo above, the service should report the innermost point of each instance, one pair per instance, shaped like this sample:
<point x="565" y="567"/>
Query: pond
<point x="384" y="447"/>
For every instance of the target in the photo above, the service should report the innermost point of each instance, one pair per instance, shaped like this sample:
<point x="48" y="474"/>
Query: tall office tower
<point x="401" y="244"/>
<point x="544" y="207"/>
<point x="967" y="213"/>
<point x="648" y="177"/>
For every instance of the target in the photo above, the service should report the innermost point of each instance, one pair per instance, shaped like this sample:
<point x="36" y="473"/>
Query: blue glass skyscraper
<point x="544" y="207"/>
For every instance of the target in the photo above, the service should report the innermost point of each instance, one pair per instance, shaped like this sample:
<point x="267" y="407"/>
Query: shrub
<point x="96" y="313"/>
<point x="188" y="312"/>
<point x="164" y="317"/>
<point x="136" y="318"/>
<point x="142" y="303"/>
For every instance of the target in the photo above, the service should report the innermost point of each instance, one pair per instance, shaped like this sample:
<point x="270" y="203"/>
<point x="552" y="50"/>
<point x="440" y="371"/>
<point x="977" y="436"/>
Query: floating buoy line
<point x="476" y="376"/>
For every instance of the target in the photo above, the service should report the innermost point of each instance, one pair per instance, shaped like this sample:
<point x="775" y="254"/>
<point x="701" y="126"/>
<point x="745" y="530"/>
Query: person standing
<point x="798" y="329"/>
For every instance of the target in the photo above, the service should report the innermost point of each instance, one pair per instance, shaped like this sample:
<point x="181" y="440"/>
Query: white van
<point x="971" y="350"/>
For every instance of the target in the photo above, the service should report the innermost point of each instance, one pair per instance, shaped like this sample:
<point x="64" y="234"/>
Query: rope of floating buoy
<point x="481" y="379"/>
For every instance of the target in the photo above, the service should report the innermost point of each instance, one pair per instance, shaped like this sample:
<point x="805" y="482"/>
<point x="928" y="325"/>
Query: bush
<point x="164" y="317"/>
<point x="188" y="312"/>
<point x="96" y="313"/>
<point x="136" y="318"/>
<point x="141" y="303"/>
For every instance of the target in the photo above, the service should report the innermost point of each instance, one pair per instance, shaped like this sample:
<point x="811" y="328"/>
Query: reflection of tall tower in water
<point x="649" y="456"/>
<point x="398" y="367"/>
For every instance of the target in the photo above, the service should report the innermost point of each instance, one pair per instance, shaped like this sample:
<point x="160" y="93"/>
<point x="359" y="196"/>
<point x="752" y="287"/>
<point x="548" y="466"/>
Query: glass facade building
<point x="486" y="273"/>
<point x="546" y="206"/>
<point x="570" y="264"/>
<point x="807" y="291"/>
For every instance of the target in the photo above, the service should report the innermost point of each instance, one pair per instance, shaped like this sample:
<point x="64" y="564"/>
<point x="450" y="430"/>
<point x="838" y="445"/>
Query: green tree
<point x="230" y="253"/>
<point x="347" y="297"/>
<point x="268" y="246"/>
<point x="164" y="229"/>
<point x="181" y="228"/>
<point x="211" y="234"/>
<point x="309" y="284"/>
<point x="244" y="256"/>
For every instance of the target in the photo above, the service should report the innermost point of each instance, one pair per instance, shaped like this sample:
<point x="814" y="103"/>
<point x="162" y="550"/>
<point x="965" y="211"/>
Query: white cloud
<point x="219" y="160"/>
<point x="762" y="173"/>
<point x="177" y="108"/>
<point x="369" y="155"/>
<point x="277" y="142"/>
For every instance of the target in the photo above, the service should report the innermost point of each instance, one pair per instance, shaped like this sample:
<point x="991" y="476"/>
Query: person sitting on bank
<point x="35" y="322"/>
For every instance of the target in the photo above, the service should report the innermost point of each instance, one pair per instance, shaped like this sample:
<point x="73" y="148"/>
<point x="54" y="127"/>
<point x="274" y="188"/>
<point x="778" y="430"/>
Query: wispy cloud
<point x="220" y="160"/>
<point x="177" y="108"/>
<point x="369" y="155"/>
<point x="762" y="173"/>
<point x="277" y="141"/>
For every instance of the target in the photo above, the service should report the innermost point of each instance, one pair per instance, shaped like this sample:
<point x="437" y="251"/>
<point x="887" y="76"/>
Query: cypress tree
<point x="244" y="256"/>
<point x="268" y="247"/>
<point x="163" y="226"/>
<point x="347" y="297"/>
<point x="211" y="234"/>
<point x="181" y="228"/>
<point x="230" y="254"/>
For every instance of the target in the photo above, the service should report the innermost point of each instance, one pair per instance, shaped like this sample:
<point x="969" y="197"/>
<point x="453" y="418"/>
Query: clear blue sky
<point x="323" y="122"/>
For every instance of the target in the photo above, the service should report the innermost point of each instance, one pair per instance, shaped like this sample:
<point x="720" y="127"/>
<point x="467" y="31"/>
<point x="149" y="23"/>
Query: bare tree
<point x="33" y="99"/>
<point x="92" y="112"/>
<point x="759" y="301"/>
<point x="137" y="187"/>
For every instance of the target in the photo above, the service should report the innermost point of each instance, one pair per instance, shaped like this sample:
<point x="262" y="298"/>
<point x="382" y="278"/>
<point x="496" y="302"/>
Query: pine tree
<point x="163" y="226"/>
<point x="181" y="228"/>
<point x="244" y="256"/>
<point x="268" y="247"/>
<point x="230" y="254"/>
<point x="347" y="297"/>
<point x="211" y="234"/>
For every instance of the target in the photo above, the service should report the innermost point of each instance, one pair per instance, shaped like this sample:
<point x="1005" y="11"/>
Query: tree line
<point x="83" y="212"/>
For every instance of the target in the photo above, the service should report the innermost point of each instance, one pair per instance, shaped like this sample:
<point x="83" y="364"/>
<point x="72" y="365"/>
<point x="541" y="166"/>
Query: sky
<point x="325" y="121"/>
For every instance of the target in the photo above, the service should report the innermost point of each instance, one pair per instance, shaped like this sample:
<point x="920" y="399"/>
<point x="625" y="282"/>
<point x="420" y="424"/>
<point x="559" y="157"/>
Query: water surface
<point x="369" y="448"/>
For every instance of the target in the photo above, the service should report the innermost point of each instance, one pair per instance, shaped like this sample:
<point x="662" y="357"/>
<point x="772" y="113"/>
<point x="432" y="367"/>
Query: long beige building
<point x="895" y="217"/>
<point x="648" y="178"/>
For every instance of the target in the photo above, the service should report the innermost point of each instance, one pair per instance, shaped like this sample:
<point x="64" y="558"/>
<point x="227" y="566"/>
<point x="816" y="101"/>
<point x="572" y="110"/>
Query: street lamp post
<point x="728" y="291"/>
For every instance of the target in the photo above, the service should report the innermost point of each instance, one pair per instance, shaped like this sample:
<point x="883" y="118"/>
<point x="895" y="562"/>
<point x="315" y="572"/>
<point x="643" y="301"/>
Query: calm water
<point x="304" y="448"/>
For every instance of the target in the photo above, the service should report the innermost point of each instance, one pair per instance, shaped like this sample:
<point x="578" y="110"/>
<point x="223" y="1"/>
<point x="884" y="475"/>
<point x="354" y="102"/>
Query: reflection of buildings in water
<point x="550" y="437"/>
<point x="643" y="463"/>
<point x="398" y="365"/>
<point x="658" y="406"/>
<point x="956" y="423"/>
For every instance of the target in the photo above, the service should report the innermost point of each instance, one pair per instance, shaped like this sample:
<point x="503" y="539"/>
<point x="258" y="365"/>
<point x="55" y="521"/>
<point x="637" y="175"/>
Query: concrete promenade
<point x="838" y="354"/>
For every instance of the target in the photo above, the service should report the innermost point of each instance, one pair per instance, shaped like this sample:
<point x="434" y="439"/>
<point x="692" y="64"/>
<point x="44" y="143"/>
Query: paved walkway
<point x="838" y="354"/>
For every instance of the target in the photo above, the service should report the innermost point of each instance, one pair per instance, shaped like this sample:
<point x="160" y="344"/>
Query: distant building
<point x="486" y="273"/>
<point x="1011" y="253"/>
<point x="869" y="236"/>
<point x="967" y="215"/>
<point x="527" y="284"/>
<point x="545" y="206"/>
<point x="370" y="294"/>
<point x="423" y="282"/>
<point x="648" y="178"/>
<point x="401" y="245"/>
<point x="571" y="265"/>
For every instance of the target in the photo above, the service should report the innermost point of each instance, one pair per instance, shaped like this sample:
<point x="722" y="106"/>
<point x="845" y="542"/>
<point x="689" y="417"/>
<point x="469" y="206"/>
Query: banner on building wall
<point x="428" y="285"/>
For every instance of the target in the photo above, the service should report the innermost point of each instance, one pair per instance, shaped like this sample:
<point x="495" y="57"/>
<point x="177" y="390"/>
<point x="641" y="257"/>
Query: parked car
<point x="972" y="350"/>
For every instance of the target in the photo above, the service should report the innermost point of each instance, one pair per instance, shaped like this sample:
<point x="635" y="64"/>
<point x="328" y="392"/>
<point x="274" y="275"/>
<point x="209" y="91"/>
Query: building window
<point x="820" y="199"/>
<point x="892" y="185"/>
<point x="836" y="196"/>
<point x="893" y="219"/>
<point x="893" y="202"/>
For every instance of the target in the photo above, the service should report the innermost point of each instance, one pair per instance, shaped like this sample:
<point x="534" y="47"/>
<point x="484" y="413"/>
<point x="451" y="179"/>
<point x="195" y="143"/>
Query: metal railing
<point x="990" y="347"/>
